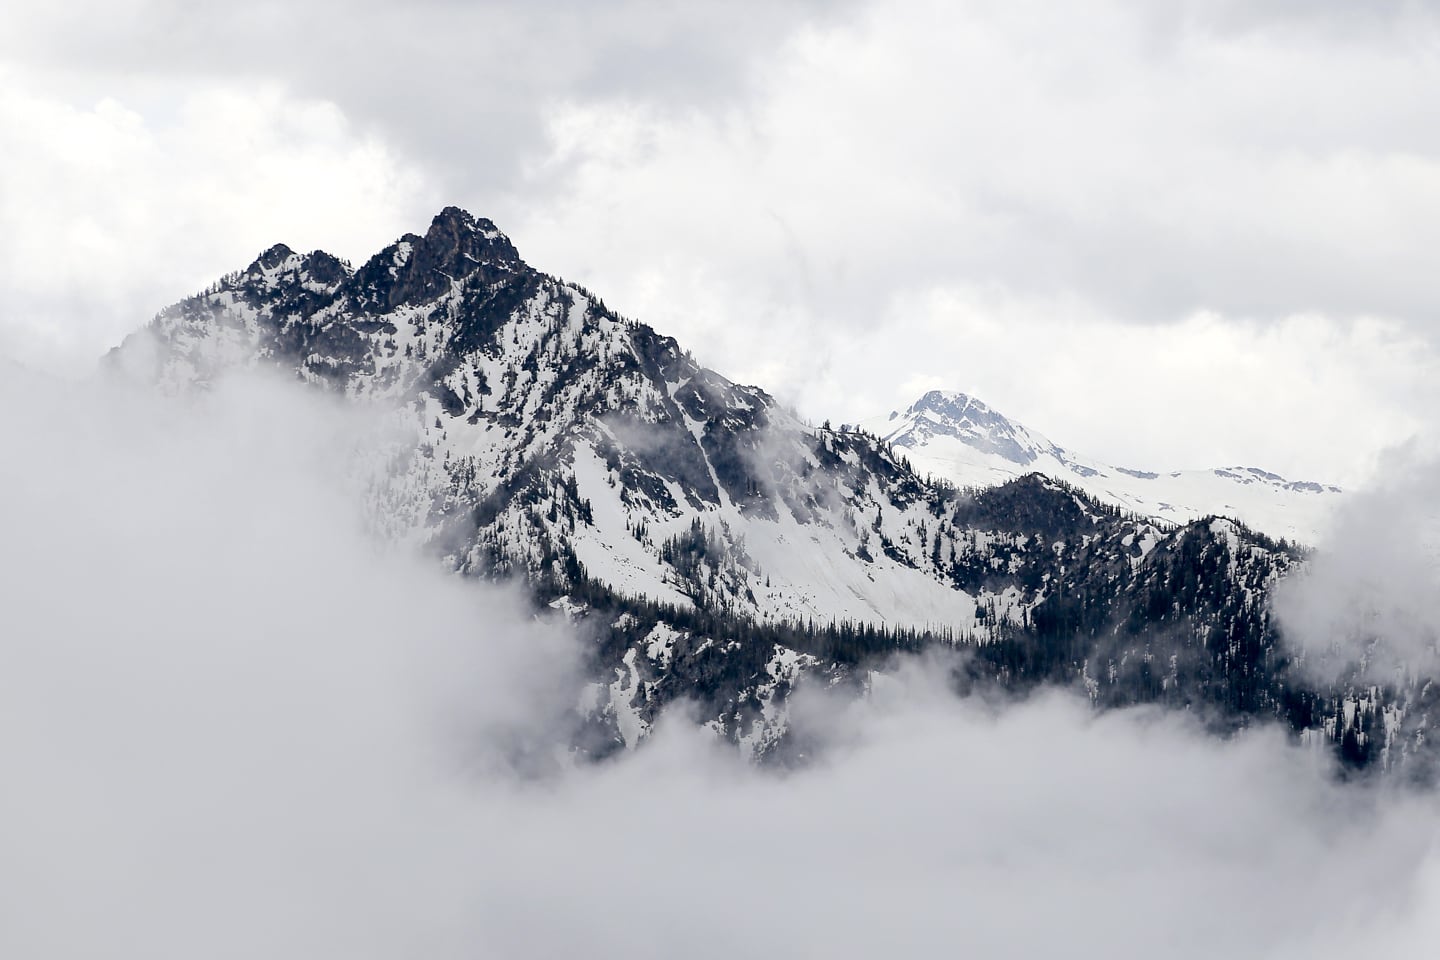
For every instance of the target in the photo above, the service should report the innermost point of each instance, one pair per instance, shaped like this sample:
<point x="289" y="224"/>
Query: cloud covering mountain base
<point x="236" y="725"/>
<point x="1368" y="605"/>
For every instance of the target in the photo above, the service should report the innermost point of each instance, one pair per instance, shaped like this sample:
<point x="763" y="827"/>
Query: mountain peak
<point x="281" y="268"/>
<point x="456" y="247"/>
<point x="949" y="403"/>
<point x="960" y="438"/>
<point x="953" y="414"/>
<point x="454" y="214"/>
<point x="271" y="259"/>
<point x="455" y="223"/>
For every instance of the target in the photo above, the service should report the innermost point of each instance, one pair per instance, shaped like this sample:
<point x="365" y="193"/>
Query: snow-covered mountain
<point x="957" y="437"/>
<point x="556" y="422"/>
<point x="715" y="547"/>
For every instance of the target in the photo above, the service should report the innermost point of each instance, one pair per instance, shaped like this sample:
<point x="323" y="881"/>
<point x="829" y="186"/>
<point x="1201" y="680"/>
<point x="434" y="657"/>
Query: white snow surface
<point x="960" y="439"/>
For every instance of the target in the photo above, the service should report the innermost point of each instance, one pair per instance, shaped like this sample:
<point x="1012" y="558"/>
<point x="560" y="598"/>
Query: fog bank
<point x="236" y="725"/>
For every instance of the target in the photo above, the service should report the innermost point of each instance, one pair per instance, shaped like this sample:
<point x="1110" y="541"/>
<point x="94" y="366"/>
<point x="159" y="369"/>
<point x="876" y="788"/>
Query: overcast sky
<point x="1164" y="234"/>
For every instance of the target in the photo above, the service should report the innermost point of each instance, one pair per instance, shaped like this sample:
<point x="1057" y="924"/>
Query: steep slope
<point x="959" y="438"/>
<point x="715" y="547"/>
<point x="548" y="420"/>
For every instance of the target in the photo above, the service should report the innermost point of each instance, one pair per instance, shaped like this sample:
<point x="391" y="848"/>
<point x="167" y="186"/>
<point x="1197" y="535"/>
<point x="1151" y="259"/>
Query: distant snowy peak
<point x="943" y="413"/>
<point x="961" y="439"/>
<point x="1249" y="475"/>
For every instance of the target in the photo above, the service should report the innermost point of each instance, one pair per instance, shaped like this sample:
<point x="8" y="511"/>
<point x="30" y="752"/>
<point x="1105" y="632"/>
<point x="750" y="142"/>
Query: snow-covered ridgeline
<point x="960" y="439"/>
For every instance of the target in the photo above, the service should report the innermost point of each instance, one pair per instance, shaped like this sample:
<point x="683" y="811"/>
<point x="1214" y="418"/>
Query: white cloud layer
<point x="235" y="727"/>
<point x="1370" y="600"/>
<point x="110" y="213"/>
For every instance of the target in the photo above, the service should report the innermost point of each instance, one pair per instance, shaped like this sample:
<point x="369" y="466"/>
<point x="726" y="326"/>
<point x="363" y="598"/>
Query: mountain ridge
<point x="717" y="548"/>
<point x="961" y="439"/>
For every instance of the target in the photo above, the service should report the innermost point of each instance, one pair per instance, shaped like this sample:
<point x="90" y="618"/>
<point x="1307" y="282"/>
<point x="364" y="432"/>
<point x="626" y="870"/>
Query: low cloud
<point x="1369" y="601"/>
<point x="235" y="726"/>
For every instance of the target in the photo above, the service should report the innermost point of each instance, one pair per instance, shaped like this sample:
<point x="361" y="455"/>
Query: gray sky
<point x="1165" y="234"/>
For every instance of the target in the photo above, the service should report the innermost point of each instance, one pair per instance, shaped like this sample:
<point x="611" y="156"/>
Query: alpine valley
<point x="718" y="549"/>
